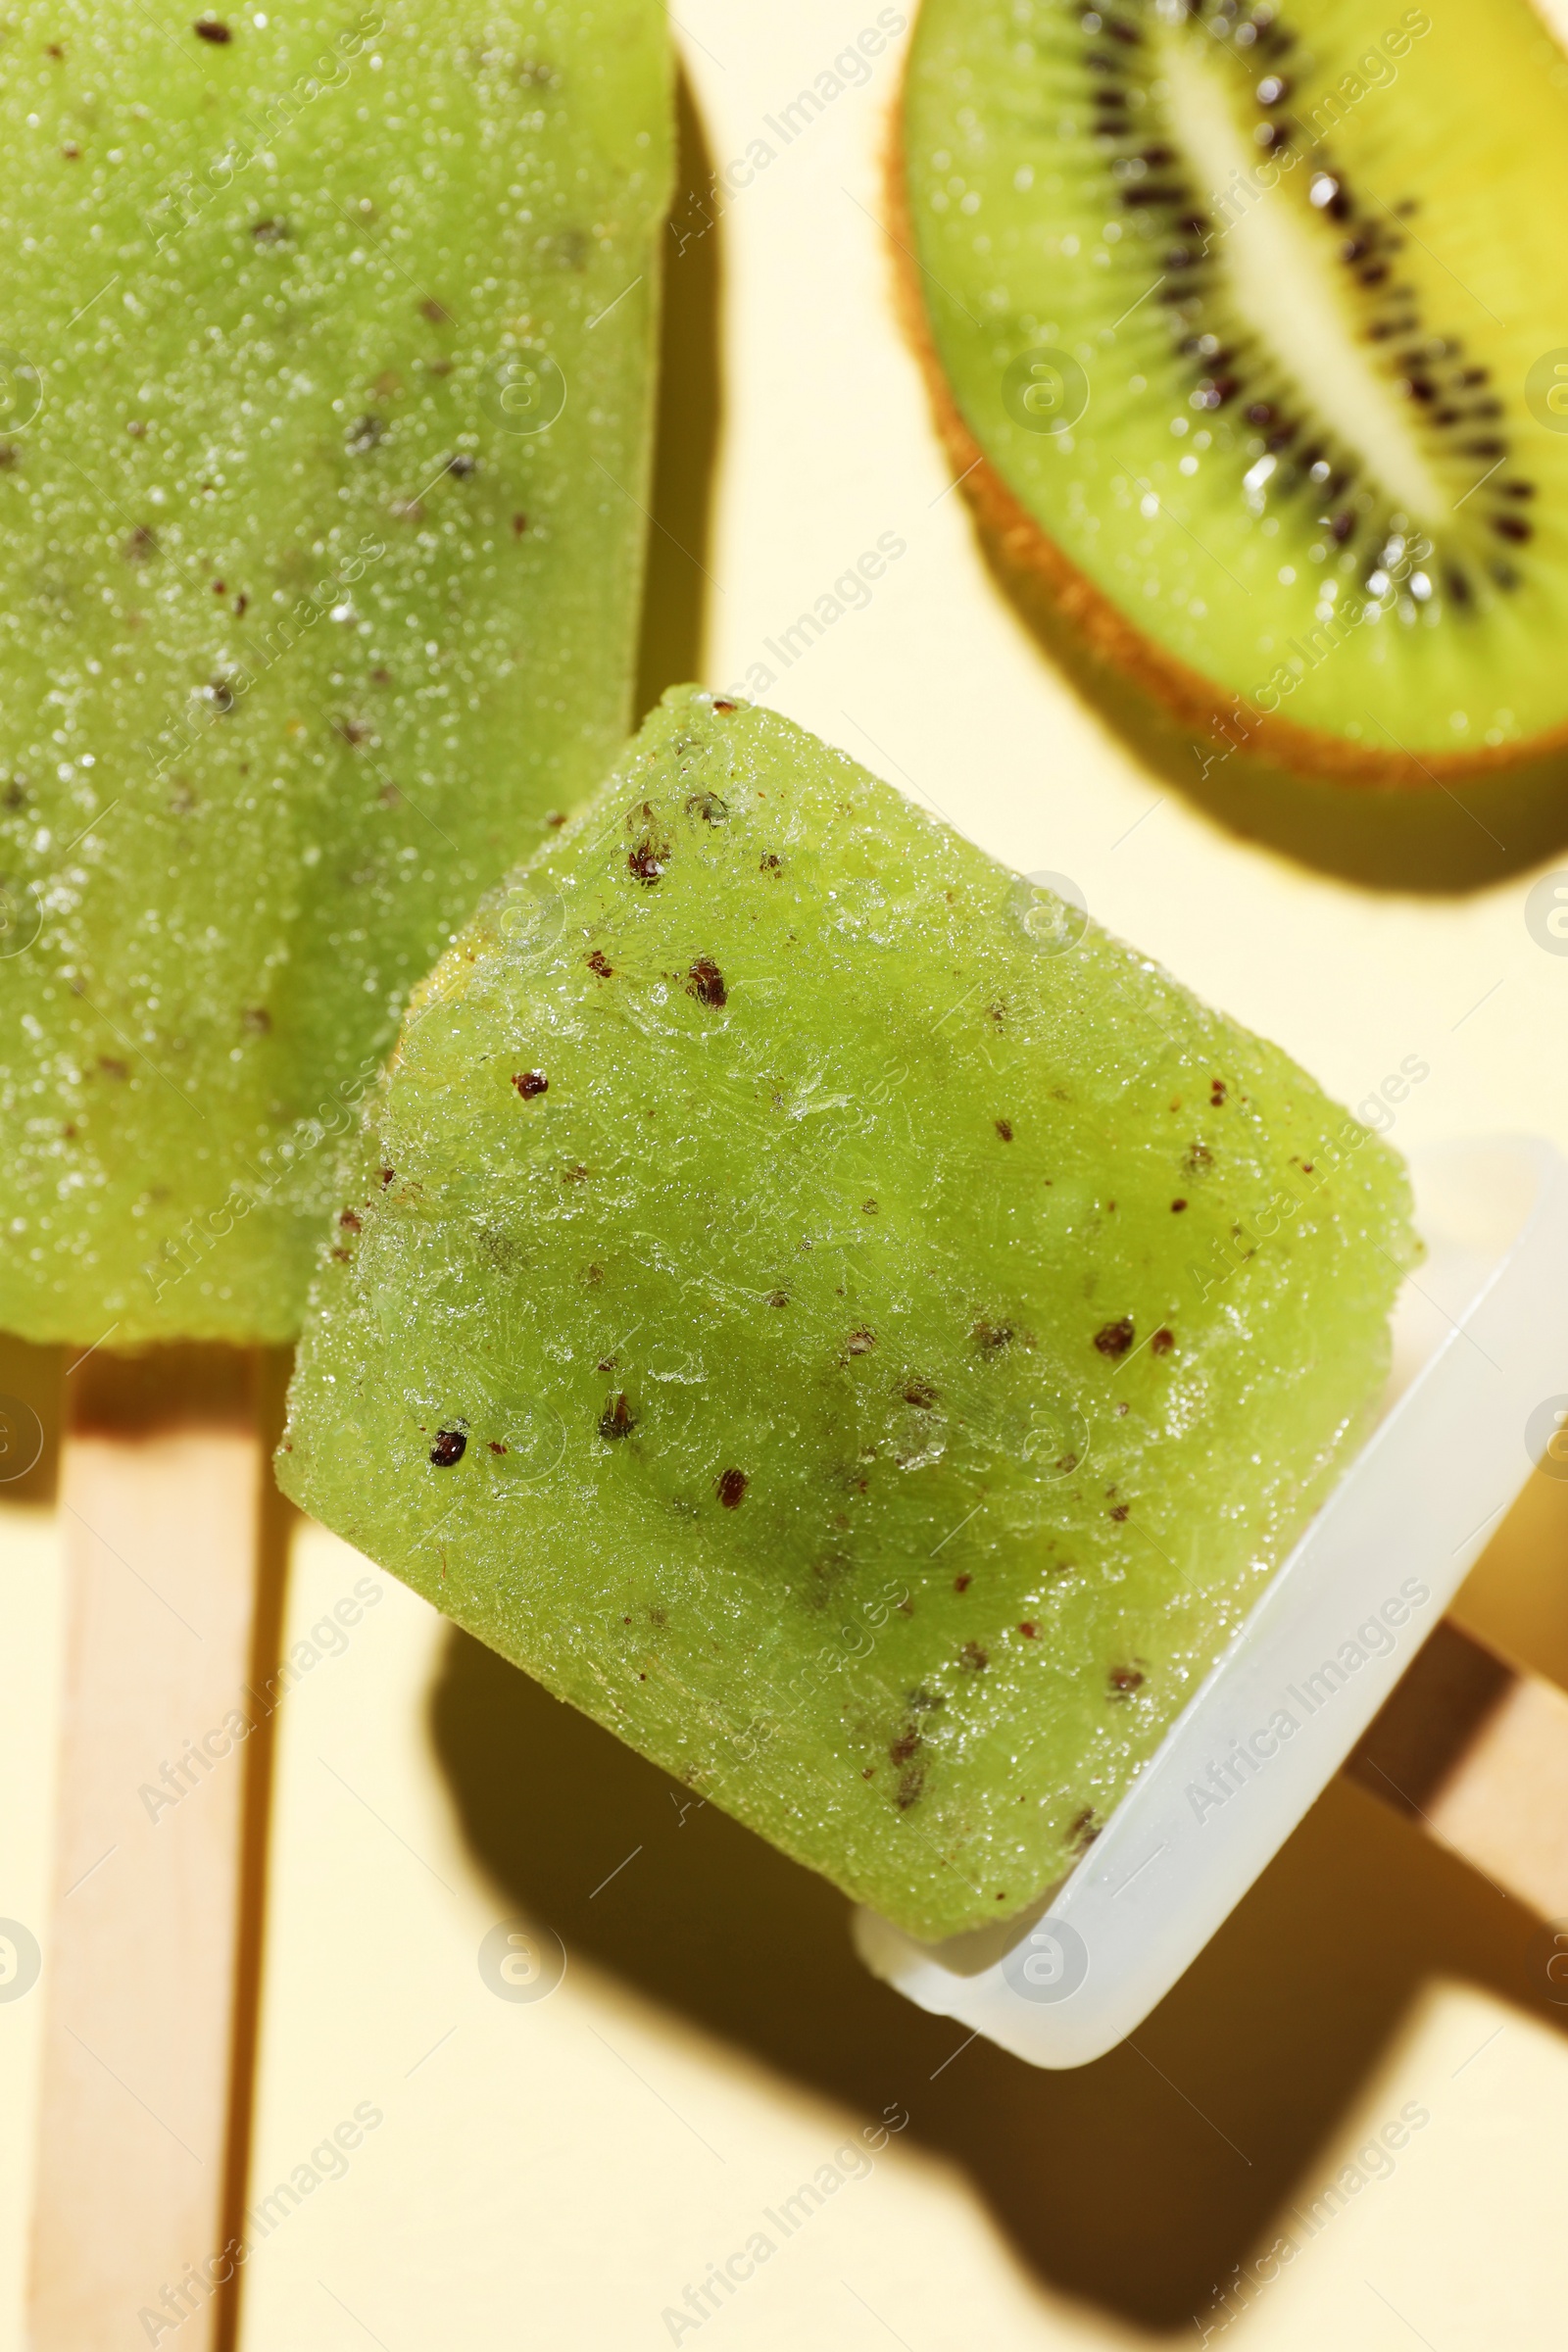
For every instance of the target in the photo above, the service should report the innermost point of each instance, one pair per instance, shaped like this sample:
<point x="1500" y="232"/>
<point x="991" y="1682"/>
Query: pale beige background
<point x="557" y="2174"/>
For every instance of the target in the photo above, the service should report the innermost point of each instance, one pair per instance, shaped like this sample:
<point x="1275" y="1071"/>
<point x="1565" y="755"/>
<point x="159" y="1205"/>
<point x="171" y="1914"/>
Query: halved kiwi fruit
<point x="1248" y="329"/>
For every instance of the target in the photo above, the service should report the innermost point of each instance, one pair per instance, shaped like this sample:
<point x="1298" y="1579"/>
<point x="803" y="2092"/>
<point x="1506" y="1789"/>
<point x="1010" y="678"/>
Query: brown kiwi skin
<point x="1450" y="822"/>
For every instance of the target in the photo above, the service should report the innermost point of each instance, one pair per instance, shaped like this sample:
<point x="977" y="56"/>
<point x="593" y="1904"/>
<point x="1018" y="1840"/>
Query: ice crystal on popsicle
<point x="820" y="1305"/>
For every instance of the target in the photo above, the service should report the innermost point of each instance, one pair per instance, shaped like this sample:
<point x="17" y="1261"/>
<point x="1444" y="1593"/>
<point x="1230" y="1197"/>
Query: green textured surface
<point x="301" y="637"/>
<point x="1060" y="202"/>
<point x="888" y="1477"/>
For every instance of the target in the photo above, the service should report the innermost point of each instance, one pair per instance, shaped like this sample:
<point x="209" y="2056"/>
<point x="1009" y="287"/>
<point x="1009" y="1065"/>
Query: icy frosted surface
<point x="766" y="1315"/>
<point x="327" y="423"/>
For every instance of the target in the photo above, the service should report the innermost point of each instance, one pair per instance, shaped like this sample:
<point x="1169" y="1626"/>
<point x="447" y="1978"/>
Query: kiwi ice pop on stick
<point x="329" y="358"/>
<point x="823" y="1307"/>
<point x="1245" y="327"/>
<point x="331" y="346"/>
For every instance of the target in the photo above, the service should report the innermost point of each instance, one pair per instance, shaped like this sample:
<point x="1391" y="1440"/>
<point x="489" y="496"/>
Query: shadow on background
<point x="1436" y="840"/>
<point x="34" y="1379"/>
<point x="688" y="424"/>
<point x="1135" y="2184"/>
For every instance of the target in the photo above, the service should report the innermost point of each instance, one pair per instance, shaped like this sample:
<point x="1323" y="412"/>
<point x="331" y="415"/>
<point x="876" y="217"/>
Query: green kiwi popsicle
<point x="827" y="1310"/>
<point x="322" y="483"/>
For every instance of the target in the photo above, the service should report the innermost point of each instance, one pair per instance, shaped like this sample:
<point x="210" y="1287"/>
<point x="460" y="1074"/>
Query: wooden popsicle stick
<point x="1474" y="1749"/>
<point x="152" y="1960"/>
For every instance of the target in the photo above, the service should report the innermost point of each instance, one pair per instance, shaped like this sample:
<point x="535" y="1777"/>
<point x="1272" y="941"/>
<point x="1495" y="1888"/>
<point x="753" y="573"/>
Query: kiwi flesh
<point x="1244" y="325"/>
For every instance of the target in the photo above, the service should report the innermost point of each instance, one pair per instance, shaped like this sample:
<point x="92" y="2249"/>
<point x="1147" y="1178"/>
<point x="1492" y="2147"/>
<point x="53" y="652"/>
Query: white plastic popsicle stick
<point x="1480" y="1386"/>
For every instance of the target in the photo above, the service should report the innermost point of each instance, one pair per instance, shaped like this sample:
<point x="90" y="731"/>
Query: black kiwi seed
<point x="1150" y="182"/>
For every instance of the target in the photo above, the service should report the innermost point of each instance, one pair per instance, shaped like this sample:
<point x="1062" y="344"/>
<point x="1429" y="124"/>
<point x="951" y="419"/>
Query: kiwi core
<point x="1278" y="262"/>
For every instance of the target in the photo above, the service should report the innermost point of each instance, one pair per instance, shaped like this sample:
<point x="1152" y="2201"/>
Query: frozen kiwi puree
<point x="322" y="462"/>
<point x="826" y="1308"/>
